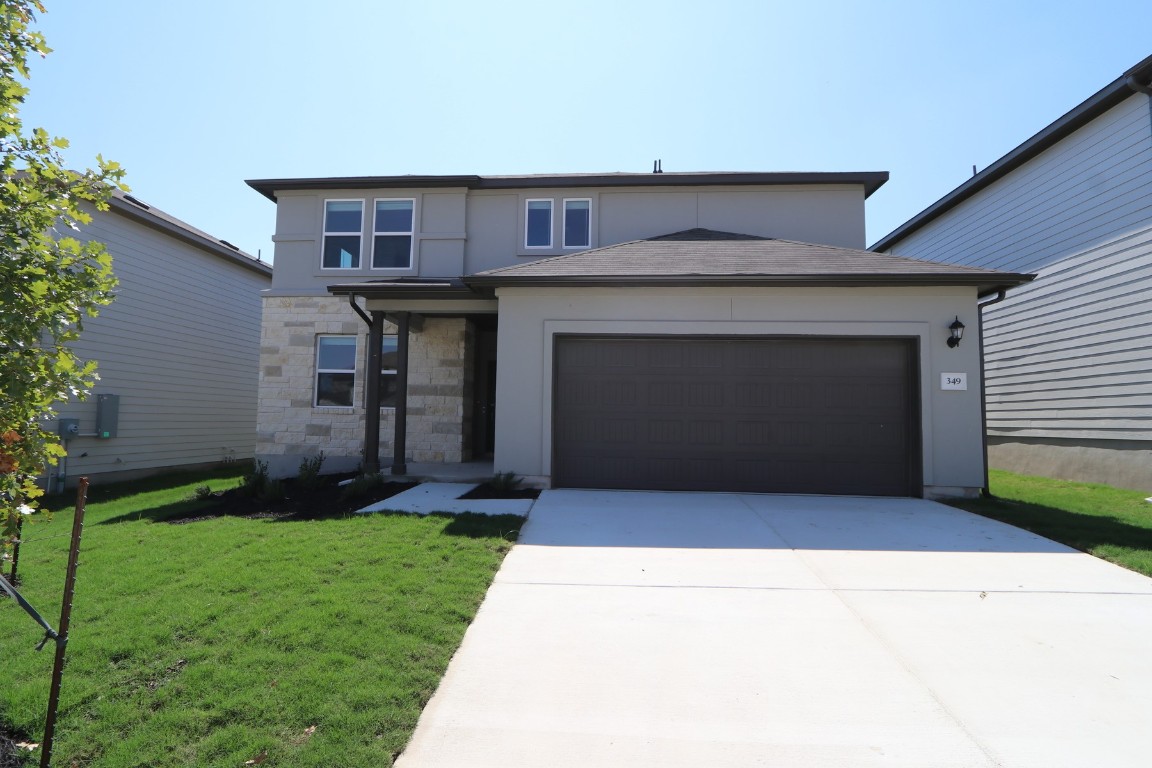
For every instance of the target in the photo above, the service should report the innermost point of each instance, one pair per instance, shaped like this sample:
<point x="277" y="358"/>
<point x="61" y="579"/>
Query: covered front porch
<point x="468" y="410"/>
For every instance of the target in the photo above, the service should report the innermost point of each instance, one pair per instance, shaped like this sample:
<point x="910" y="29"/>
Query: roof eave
<point x="269" y="187"/>
<point x="235" y="256"/>
<point x="985" y="284"/>
<point x="431" y="291"/>
<point x="1093" y="107"/>
<point x="869" y="180"/>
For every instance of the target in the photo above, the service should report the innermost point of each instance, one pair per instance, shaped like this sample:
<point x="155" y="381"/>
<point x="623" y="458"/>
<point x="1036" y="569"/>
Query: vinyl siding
<point x="1091" y="187"/>
<point x="180" y="346"/>
<point x="1068" y="356"/>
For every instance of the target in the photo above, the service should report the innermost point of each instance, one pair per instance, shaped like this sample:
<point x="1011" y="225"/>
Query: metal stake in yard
<point x="65" y="615"/>
<point x="16" y="550"/>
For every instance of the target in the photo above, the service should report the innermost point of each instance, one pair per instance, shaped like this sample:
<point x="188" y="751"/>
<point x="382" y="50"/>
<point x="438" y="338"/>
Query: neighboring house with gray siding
<point x="695" y="331"/>
<point x="1068" y="357"/>
<point x="177" y="350"/>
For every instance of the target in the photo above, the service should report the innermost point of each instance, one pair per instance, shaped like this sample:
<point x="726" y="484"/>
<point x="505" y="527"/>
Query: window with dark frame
<point x="335" y="371"/>
<point x="343" y="223"/>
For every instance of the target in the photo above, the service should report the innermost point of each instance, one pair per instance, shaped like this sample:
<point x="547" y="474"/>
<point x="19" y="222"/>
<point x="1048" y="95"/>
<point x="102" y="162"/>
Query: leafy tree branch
<point x="51" y="279"/>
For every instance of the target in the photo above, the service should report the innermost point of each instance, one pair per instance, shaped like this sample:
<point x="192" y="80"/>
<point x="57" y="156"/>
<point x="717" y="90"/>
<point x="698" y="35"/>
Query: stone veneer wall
<point x="289" y="428"/>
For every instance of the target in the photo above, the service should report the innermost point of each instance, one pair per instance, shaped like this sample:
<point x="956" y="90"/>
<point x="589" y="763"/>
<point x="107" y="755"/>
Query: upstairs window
<point x="392" y="235"/>
<point x="343" y="223"/>
<point x="538" y="224"/>
<point x="577" y="223"/>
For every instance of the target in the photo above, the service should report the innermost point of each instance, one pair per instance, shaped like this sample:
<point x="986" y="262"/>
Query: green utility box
<point x="107" y="415"/>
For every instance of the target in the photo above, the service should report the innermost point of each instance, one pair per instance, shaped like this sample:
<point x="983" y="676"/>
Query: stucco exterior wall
<point x="459" y="232"/>
<point x="291" y="428"/>
<point x="952" y="448"/>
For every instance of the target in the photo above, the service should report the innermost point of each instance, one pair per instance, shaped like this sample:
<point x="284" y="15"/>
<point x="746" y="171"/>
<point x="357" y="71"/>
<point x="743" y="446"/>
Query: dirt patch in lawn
<point x="296" y="502"/>
<point x="12" y="755"/>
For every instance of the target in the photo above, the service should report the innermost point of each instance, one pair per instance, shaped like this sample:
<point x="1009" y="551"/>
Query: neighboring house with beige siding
<point x="177" y="350"/>
<point x="1068" y="357"/>
<point x="690" y="331"/>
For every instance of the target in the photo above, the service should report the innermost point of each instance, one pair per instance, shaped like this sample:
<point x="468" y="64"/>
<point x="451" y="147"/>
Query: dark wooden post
<point x="372" y="395"/>
<point x="65" y="621"/>
<point x="400" y="438"/>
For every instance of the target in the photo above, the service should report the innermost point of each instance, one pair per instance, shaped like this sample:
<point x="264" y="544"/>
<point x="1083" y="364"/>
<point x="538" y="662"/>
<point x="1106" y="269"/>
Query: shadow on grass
<point x="477" y="526"/>
<point x="189" y="509"/>
<point x="99" y="493"/>
<point x="469" y="524"/>
<point x="1078" y="530"/>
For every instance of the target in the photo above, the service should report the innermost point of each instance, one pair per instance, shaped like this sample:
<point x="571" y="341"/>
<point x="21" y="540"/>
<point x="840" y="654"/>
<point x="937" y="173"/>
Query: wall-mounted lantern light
<point x="956" y="332"/>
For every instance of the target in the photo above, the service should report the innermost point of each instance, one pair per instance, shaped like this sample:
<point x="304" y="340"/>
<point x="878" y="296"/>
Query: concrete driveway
<point x="660" y="629"/>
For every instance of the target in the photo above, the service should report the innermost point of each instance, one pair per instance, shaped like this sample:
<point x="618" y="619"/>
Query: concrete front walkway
<point x="644" y="629"/>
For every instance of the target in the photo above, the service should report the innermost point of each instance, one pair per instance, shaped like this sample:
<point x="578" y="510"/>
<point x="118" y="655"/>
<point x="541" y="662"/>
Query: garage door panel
<point x="666" y="394"/>
<point x="666" y="432"/>
<point x="804" y="415"/>
<point x="598" y="431"/>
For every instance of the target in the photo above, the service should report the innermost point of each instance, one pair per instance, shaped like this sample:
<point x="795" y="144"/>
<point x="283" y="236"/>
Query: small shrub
<point x="504" y="482"/>
<point x="203" y="493"/>
<point x="361" y="486"/>
<point x="273" y="490"/>
<point x="308" y="476"/>
<point x="252" y="485"/>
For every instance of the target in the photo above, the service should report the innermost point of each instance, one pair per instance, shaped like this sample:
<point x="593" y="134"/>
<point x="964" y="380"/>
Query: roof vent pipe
<point x="656" y="167"/>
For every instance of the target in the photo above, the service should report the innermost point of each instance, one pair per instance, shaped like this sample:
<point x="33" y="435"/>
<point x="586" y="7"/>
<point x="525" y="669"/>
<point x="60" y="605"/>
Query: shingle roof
<point x="704" y="257"/>
<point x="150" y="215"/>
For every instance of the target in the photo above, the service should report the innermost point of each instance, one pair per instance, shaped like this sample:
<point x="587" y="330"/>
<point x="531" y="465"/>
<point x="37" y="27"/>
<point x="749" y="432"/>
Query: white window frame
<point x="411" y="234"/>
<point x="551" y="222"/>
<point x="319" y="370"/>
<point x="326" y="233"/>
<point x="564" y="222"/>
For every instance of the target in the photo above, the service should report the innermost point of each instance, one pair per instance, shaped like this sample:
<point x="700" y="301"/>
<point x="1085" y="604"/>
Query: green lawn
<point x="315" y="643"/>
<point x="1111" y="523"/>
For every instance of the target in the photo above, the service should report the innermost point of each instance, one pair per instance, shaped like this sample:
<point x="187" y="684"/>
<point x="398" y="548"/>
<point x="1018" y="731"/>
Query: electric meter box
<point x="67" y="428"/>
<point x="107" y="415"/>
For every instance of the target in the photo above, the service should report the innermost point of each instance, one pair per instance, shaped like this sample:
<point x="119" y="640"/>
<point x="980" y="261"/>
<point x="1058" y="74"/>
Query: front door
<point x="484" y="393"/>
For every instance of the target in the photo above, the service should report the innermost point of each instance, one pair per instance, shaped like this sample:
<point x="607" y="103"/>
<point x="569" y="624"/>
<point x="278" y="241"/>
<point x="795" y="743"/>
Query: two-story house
<point x="177" y="351"/>
<point x="1069" y="356"/>
<point x="704" y="331"/>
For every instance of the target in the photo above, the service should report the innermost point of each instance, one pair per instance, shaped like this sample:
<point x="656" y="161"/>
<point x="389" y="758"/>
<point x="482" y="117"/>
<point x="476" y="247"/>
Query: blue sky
<point x="195" y="97"/>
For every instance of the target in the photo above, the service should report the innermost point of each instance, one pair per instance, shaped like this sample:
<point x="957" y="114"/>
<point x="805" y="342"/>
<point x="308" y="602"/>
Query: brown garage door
<point x="776" y="415"/>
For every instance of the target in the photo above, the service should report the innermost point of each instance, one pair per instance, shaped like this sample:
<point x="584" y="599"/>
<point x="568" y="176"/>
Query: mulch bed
<point x="326" y="500"/>
<point x="12" y="756"/>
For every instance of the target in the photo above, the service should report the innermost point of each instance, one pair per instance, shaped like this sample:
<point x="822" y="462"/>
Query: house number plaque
<point x="953" y="381"/>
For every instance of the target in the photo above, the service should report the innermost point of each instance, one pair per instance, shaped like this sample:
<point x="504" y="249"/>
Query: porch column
<point x="372" y="395"/>
<point x="399" y="440"/>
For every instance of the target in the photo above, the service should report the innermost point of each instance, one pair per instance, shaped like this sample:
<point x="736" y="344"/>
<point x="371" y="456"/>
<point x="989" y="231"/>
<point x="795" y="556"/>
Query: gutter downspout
<point x="986" y="491"/>
<point x="1138" y="86"/>
<point x="372" y="395"/>
<point x="375" y="323"/>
